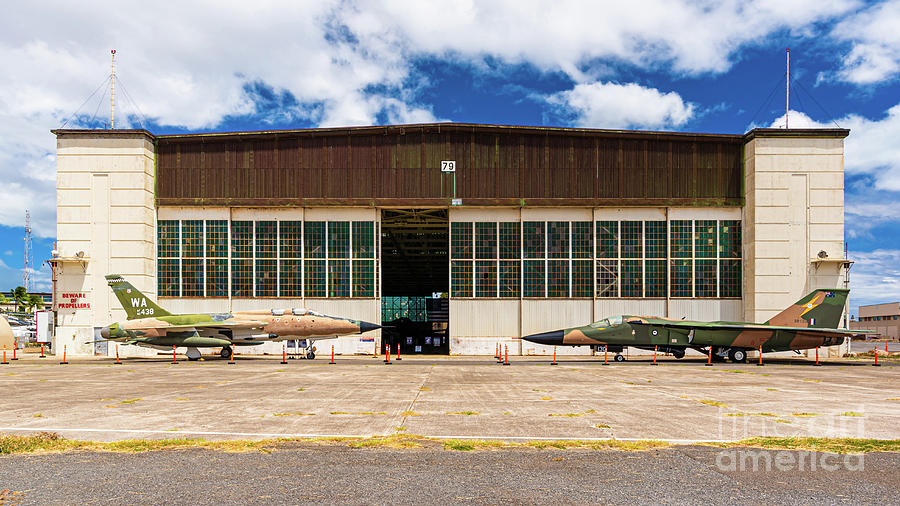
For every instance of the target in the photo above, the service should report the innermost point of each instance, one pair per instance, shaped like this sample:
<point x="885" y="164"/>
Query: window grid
<point x="461" y="239"/>
<point x="461" y="278"/>
<point x="533" y="278"/>
<point x="486" y="278"/>
<point x="485" y="240"/>
<point x="582" y="240"/>
<point x="510" y="279"/>
<point x="557" y="278"/>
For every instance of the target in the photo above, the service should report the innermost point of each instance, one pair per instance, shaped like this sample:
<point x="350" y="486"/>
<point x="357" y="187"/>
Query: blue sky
<point x="647" y="65"/>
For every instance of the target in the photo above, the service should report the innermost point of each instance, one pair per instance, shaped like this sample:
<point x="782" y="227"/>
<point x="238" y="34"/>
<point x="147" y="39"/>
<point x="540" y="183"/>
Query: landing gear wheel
<point x="619" y="358"/>
<point x="310" y="355"/>
<point x="225" y="353"/>
<point x="737" y="356"/>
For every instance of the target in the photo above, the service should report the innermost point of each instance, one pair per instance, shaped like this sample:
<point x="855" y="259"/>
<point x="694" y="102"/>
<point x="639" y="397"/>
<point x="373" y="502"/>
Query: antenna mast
<point x="27" y="280"/>
<point x="112" y="95"/>
<point x="787" y="90"/>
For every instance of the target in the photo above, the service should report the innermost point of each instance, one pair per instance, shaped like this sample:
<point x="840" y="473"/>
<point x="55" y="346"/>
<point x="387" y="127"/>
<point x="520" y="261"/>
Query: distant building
<point x="881" y="318"/>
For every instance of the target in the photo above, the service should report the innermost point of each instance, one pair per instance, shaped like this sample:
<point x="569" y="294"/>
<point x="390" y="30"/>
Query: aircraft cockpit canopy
<point x="607" y="322"/>
<point x="297" y="311"/>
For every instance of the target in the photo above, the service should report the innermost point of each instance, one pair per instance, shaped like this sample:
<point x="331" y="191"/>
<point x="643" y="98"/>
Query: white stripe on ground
<point x="288" y="435"/>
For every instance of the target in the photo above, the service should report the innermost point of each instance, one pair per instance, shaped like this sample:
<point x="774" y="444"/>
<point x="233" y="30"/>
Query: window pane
<point x="461" y="278"/>
<point x="241" y="277"/>
<point x="167" y="277"/>
<point x="266" y="239"/>
<point x="558" y="239"/>
<point x="216" y="277"/>
<point x="705" y="278"/>
<point x="509" y="279"/>
<point x="607" y="239"/>
<point x="582" y="240"/>
<point x="167" y="238"/>
<point x="655" y="278"/>
<point x="338" y="278"/>
<point x="314" y="242"/>
<point x="486" y="279"/>
<point x="291" y="283"/>
<point x="216" y="239"/>
<point x="485" y="240"/>
<point x="730" y="279"/>
<point x="534" y="278"/>
<point x="582" y="278"/>
<point x="339" y="241"/>
<point x="363" y="278"/>
<point x="510" y="240"/>
<point x="632" y="278"/>
<point x="655" y="239"/>
<point x="192" y="277"/>
<point x="681" y="239"/>
<point x="705" y="239"/>
<point x="730" y="239"/>
<point x="607" y="278"/>
<point x="632" y="239"/>
<point x="290" y="239"/>
<point x="681" y="277"/>
<point x="314" y="276"/>
<point x="266" y="277"/>
<point x="242" y="239"/>
<point x="192" y="238"/>
<point x="461" y="239"/>
<point x="364" y="240"/>
<point x="557" y="278"/>
<point x="533" y="239"/>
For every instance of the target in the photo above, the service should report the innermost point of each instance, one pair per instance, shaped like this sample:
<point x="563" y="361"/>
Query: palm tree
<point x="20" y="295"/>
<point x="34" y="301"/>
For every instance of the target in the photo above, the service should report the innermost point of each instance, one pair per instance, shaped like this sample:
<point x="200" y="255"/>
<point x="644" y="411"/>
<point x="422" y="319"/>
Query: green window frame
<point x="655" y="282"/>
<point x="730" y="278"/>
<point x="461" y="278"/>
<point x="339" y="240"/>
<point x="217" y="238"/>
<point x="557" y="279"/>
<point x="266" y="277"/>
<point x="192" y="239"/>
<point x="558" y="239"/>
<point x="681" y="276"/>
<point x="216" y="277"/>
<point x="486" y="278"/>
<point x="291" y="278"/>
<point x="509" y="279"/>
<point x="705" y="239"/>
<point x="582" y="278"/>
<point x="167" y="232"/>
<point x="364" y="278"/>
<point x="534" y="278"/>
<point x="290" y="239"/>
<point x="241" y="239"/>
<point x="730" y="239"/>
<point x="461" y="239"/>
<point x="192" y="277"/>
<point x="607" y="278"/>
<point x="242" y="277"/>
<point x="533" y="239"/>
<point x="582" y="239"/>
<point x="339" y="278"/>
<point x="632" y="239"/>
<point x="655" y="239"/>
<point x="510" y="240"/>
<point x="632" y="281"/>
<point x="681" y="241"/>
<point x="705" y="279"/>
<point x="266" y="239"/>
<point x="485" y="240"/>
<point x="364" y="240"/>
<point x="168" y="277"/>
<point x="314" y="240"/>
<point x="314" y="278"/>
<point x="607" y="239"/>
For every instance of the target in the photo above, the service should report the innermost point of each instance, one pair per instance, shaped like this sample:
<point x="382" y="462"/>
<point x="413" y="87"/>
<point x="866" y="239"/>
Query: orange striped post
<point x="283" y="354"/>
<point x="506" y="352"/>
<point x="64" y="356"/>
<point x="760" y="357"/>
<point x="174" y="358"/>
<point x="117" y="362"/>
<point x="4" y="357"/>
<point x="376" y="349"/>
<point x="387" y="355"/>
<point x="605" y="354"/>
<point x="42" y="352"/>
<point x="655" y="347"/>
<point x="231" y="357"/>
<point x="15" y="347"/>
<point x="398" y="353"/>
<point x="332" y="355"/>
<point x="709" y="357"/>
<point x="875" y="351"/>
<point x="817" y="356"/>
<point x="554" y="357"/>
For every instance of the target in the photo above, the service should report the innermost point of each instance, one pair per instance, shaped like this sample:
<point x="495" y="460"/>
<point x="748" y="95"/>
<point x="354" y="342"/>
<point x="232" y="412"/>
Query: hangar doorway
<point x="415" y="280"/>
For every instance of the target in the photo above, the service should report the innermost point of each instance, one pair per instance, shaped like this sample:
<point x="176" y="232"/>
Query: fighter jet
<point x="809" y="323"/>
<point x="151" y="326"/>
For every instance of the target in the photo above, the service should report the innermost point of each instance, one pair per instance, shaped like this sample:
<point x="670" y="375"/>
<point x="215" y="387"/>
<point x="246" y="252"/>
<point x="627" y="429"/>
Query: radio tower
<point x="27" y="280"/>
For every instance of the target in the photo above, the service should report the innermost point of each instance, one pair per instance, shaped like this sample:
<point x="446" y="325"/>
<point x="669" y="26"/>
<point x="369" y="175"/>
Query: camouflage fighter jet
<point x="151" y="326"/>
<point x="809" y="323"/>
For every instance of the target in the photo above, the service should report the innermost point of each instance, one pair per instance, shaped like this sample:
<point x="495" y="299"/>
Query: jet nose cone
<point x="104" y="332"/>
<point x="366" y="327"/>
<point x="552" y="338"/>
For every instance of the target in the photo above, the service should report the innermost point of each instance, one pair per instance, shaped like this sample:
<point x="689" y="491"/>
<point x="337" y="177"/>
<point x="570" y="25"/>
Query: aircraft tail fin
<point x="135" y="303"/>
<point x="820" y="309"/>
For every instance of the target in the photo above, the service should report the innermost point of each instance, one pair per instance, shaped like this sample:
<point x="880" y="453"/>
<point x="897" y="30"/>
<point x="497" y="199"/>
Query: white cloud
<point x="874" y="56"/>
<point x="875" y="277"/>
<point x="610" y="105"/>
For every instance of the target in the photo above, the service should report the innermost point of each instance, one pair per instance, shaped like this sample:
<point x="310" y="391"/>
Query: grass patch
<point x="812" y="381"/>
<point x="833" y="445"/>
<point x="397" y="441"/>
<point x="129" y="401"/>
<point x="533" y="389"/>
<point x="570" y="415"/>
<point x="735" y="371"/>
<point x="293" y="414"/>
<point x="424" y="389"/>
<point x="301" y="389"/>
<point x="466" y="413"/>
<point x="180" y="399"/>
<point x="804" y="415"/>
<point x="400" y="428"/>
<point x="37" y="415"/>
<point x="713" y="403"/>
<point x="852" y="413"/>
<point x="602" y="426"/>
<point x="545" y="398"/>
<point x="410" y="413"/>
<point x="751" y="414"/>
<point x="50" y="442"/>
<point x="772" y="390"/>
<point x="339" y="413"/>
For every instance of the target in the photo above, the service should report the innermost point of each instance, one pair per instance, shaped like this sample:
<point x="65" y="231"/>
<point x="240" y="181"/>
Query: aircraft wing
<point x="250" y="324"/>
<point x="738" y="326"/>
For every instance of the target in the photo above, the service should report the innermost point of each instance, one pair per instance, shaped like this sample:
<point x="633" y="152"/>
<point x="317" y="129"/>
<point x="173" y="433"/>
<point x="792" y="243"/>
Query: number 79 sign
<point x="448" y="166"/>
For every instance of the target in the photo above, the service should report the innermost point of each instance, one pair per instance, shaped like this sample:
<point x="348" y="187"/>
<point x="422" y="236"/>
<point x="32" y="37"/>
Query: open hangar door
<point x="415" y="280"/>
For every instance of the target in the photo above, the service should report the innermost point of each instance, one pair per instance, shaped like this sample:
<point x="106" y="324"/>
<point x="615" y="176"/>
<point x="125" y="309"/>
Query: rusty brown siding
<point x="400" y="166"/>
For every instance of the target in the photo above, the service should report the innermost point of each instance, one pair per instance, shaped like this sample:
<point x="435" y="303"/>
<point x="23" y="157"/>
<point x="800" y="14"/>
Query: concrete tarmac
<point x="449" y="397"/>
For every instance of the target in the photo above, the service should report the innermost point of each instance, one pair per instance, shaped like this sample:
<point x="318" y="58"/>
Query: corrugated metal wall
<point x="400" y="166"/>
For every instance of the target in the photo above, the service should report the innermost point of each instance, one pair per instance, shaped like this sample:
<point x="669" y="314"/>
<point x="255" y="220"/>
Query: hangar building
<point x="536" y="229"/>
